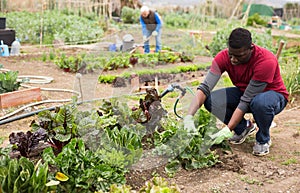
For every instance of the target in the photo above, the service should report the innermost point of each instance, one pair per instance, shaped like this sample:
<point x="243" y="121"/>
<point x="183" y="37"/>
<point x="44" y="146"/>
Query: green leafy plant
<point x="159" y="184"/>
<point x="86" y="170"/>
<point x="57" y="25"/>
<point x="69" y="64"/>
<point x="189" y="153"/>
<point x="21" y="175"/>
<point x="106" y="78"/>
<point x="291" y="74"/>
<point x="255" y="20"/>
<point x="220" y="39"/>
<point x="8" y="81"/>
<point x="59" y="125"/>
<point x="130" y="15"/>
<point x="178" y="69"/>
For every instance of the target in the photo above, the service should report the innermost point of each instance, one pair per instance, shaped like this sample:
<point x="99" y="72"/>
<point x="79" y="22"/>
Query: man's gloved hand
<point x="224" y="133"/>
<point x="189" y="124"/>
<point x="154" y="33"/>
<point x="144" y="38"/>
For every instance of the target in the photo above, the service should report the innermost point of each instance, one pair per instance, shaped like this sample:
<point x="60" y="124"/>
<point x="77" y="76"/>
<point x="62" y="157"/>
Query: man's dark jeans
<point x="263" y="106"/>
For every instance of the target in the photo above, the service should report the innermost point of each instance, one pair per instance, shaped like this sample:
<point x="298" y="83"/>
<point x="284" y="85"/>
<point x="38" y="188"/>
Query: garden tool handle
<point x="132" y="51"/>
<point x="148" y="38"/>
<point x="279" y="48"/>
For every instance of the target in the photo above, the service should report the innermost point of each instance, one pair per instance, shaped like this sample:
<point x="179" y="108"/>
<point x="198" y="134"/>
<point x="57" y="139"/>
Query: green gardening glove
<point x="224" y="133"/>
<point x="189" y="124"/>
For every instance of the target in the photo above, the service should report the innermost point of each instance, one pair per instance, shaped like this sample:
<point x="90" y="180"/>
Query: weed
<point x="272" y="158"/>
<point x="289" y="161"/>
<point x="51" y="55"/>
<point x="296" y="153"/>
<point x="251" y="180"/>
<point x="195" y="83"/>
<point x="44" y="57"/>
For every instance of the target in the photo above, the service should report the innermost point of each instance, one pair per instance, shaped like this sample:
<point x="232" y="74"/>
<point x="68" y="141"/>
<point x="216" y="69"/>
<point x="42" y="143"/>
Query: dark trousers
<point x="263" y="106"/>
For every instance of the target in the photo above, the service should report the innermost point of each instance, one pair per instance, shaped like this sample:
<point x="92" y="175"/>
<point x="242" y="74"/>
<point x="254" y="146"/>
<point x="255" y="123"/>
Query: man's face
<point x="145" y="13"/>
<point x="240" y="55"/>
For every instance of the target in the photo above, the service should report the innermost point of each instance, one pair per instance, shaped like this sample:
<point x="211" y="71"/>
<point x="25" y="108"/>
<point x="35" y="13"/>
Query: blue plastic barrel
<point x="3" y="49"/>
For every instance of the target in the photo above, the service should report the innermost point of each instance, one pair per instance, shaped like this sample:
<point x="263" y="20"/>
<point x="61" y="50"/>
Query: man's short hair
<point x="144" y="8"/>
<point x="240" y="38"/>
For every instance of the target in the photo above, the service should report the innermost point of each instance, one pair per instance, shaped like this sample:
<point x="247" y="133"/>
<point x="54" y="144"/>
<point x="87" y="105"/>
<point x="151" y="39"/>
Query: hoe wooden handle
<point x="279" y="48"/>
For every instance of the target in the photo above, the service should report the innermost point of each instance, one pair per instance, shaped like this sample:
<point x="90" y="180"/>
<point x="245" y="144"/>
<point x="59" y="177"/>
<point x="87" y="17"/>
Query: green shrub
<point x="219" y="41"/>
<point x="130" y="15"/>
<point x="56" y="25"/>
<point x="256" y="19"/>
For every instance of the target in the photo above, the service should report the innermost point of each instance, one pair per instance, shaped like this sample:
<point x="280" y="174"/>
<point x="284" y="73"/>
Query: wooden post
<point x="134" y="82"/>
<point x="279" y="49"/>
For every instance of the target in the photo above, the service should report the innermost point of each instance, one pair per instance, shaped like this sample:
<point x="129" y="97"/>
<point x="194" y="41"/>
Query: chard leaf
<point x="61" y="177"/>
<point x="63" y="138"/>
<point x="173" y="167"/>
<point x="53" y="183"/>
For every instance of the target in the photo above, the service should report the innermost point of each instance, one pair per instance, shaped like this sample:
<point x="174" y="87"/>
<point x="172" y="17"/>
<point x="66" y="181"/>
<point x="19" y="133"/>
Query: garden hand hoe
<point x="142" y="44"/>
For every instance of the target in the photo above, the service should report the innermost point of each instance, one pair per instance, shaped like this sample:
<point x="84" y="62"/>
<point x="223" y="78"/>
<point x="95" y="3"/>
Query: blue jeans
<point x="157" y="41"/>
<point x="263" y="106"/>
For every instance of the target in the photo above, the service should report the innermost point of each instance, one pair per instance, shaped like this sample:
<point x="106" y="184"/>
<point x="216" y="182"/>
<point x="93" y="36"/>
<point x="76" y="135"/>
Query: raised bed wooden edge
<point x="15" y="98"/>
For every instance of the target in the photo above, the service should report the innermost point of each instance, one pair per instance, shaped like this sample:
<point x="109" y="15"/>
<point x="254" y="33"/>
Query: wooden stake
<point x="279" y="49"/>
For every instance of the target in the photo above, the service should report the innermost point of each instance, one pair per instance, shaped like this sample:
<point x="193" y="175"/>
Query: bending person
<point x="258" y="89"/>
<point x="151" y="25"/>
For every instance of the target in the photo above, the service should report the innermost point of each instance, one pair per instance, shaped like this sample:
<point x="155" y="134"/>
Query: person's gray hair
<point x="144" y="9"/>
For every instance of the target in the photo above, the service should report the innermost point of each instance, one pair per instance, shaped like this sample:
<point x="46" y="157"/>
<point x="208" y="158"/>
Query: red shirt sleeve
<point x="219" y="62"/>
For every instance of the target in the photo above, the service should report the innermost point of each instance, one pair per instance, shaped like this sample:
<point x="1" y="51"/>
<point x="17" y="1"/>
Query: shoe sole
<point x="260" y="154"/>
<point x="244" y="138"/>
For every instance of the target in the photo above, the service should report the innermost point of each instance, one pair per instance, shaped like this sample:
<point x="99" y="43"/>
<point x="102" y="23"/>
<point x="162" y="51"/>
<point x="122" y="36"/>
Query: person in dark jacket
<point x="151" y="26"/>
<point x="258" y="89"/>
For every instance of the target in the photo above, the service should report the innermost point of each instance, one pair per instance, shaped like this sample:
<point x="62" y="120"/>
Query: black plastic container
<point x="8" y="36"/>
<point x="2" y="22"/>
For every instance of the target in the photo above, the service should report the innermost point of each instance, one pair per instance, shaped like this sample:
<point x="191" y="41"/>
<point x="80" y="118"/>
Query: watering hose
<point x="178" y="98"/>
<point x="39" y="80"/>
<point x="35" y="79"/>
<point x="183" y="92"/>
<point x="8" y="120"/>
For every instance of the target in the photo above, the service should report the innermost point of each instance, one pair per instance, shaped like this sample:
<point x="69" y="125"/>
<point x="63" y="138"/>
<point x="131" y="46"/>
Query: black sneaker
<point x="239" y="139"/>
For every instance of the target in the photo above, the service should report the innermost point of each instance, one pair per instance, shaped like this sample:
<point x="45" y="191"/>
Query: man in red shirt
<point x="258" y="89"/>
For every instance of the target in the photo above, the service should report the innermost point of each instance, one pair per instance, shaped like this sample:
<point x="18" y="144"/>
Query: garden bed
<point x="238" y="170"/>
<point x="20" y="97"/>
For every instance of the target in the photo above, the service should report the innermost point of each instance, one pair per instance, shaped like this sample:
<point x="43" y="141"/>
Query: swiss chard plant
<point x="26" y="142"/>
<point x="60" y="125"/>
<point x="70" y="63"/>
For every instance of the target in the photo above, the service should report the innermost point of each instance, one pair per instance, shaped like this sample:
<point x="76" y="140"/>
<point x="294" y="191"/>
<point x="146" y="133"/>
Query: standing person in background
<point x="151" y="25"/>
<point x="258" y="89"/>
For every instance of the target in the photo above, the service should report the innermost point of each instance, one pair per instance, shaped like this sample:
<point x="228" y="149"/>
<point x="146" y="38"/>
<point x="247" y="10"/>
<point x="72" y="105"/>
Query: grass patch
<point x="289" y="161"/>
<point x="251" y="180"/>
